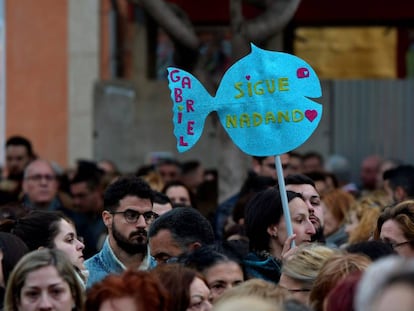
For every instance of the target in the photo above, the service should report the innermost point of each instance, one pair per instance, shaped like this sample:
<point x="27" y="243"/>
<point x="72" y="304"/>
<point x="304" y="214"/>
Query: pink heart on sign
<point x="311" y="114"/>
<point x="248" y="77"/>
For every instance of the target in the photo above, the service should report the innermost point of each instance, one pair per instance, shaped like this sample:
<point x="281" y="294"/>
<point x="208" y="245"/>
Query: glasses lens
<point x="39" y="177"/>
<point x="131" y="216"/>
<point x="149" y="216"/>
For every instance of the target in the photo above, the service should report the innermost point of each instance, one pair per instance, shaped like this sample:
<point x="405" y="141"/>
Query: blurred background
<point x="86" y="79"/>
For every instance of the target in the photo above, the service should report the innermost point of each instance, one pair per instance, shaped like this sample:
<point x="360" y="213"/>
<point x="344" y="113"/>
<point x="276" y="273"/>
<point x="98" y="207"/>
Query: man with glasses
<point x="178" y="231"/>
<point x="127" y="214"/>
<point x="40" y="186"/>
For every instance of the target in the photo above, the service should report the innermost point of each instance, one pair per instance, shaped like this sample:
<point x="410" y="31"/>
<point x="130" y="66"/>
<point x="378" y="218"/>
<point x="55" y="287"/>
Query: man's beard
<point x="132" y="248"/>
<point x="318" y="236"/>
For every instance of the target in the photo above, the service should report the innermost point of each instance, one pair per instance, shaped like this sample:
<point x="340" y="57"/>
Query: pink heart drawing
<point x="248" y="77"/>
<point x="311" y="114"/>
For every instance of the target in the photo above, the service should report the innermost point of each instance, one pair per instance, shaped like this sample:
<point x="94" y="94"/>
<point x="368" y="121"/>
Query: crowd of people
<point x="94" y="238"/>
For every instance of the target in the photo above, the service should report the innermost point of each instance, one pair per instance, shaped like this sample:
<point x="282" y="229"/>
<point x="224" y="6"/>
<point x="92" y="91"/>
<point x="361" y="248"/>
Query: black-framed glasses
<point x="132" y="216"/>
<point x="39" y="177"/>
<point x="295" y="290"/>
<point x="395" y="245"/>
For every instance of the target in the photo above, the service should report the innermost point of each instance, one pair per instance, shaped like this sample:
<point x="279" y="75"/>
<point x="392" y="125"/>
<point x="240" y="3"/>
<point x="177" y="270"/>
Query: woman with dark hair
<point x="50" y="229"/>
<point x="266" y="230"/>
<point x="131" y="290"/>
<point x="188" y="288"/>
<point x="12" y="248"/>
<point x="220" y="267"/>
<point x="179" y="194"/>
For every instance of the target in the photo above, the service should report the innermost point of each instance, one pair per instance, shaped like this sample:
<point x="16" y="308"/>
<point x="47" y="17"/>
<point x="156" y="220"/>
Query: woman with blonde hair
<point x="257" y="294"/>
<point x="264" y="290"/>
<point x="248" y="303"/>
<point x="300" y="270"/>
<point x="44" y="279"/>
<point x="336" y="268"/>
<point x="362" y="218"/>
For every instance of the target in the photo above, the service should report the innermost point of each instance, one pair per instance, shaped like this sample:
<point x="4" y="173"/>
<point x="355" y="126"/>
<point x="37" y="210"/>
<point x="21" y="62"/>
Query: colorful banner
<point x="264" y="102"/>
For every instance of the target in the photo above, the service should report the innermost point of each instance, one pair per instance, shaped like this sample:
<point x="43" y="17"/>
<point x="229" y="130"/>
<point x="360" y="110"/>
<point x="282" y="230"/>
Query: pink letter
<point x="186" y="82"/>
<point x="190" y="104"/>
<point x="190" y="128"/>
<point x="182" y="142"/>
<point x="174" y="78"/>
<point x="177" y="95"/>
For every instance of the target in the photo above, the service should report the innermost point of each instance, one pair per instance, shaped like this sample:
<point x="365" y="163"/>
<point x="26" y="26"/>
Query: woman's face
<point x="45" y="289"/>
<point x="199" y="296"/>
<point x="67" y="241"/>
<point x="178" y="195"/>
<point x="222" y="276"/>
<point x="301" y="225"/>
<point x="392" y="233"/>
<point x="331" y="223"/>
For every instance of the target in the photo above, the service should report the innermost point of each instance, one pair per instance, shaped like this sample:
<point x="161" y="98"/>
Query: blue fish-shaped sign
<point x="262" y="102"/>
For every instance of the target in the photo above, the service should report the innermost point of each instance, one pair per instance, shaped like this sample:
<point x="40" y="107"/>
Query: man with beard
<point x="127" y="214"/>
<point x="306" y="187"/>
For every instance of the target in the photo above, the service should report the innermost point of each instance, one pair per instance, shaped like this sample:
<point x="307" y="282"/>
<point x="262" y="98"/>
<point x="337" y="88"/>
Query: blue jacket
<point x="262" y="267"/>
<point x="105" y="262"/>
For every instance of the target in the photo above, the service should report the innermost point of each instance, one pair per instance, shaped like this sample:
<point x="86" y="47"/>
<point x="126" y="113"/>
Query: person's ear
<point x="194" y="246"/>
<point x="272" y="230"/>
<point x="107" y="218"/>
<point x="256" y="166"/>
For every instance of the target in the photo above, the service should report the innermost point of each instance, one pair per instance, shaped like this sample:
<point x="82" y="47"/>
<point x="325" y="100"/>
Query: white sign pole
<point x="283" y="195"/>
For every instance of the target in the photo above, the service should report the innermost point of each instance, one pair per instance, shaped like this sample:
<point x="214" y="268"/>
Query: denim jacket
<point x="105" y="262"/>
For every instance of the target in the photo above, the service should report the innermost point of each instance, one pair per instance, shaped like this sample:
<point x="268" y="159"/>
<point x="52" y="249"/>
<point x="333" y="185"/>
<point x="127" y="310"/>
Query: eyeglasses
<point x="39" y="177"/>
<point x="295" y="290"/>
<point x="395" y="245"/>
<point x="132" y="216"/>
